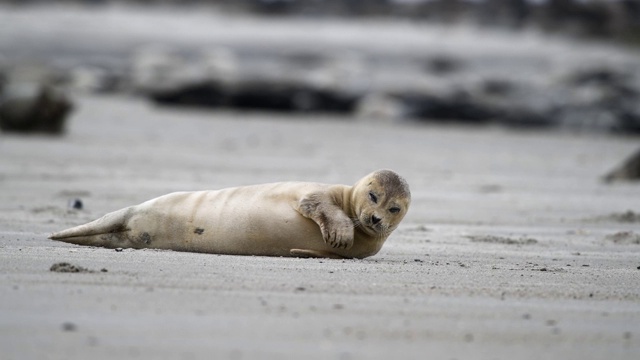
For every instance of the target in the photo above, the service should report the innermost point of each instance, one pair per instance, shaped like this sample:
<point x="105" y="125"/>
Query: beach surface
<point x="513" y="247"/>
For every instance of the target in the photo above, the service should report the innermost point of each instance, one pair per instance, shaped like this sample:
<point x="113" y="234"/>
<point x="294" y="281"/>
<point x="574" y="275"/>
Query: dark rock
<point x="613" y="84"/>
<point x="454" y="107"/>
<point x="29" y="103"/>
<point x="526" y="117"/>
<point x="628" y="115"/>
<point x="611" y="101"/>
<point x="629" y="170"/>
<point x="196" y="94"/>
<point x="595" y="100"/>
<point x="33" y="108"/>
<point x="258" y="95"/>
<point x="219" y="77"/>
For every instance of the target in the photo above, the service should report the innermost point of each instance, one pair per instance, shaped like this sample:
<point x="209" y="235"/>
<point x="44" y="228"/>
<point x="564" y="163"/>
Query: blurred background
<point x="558" y="64"/>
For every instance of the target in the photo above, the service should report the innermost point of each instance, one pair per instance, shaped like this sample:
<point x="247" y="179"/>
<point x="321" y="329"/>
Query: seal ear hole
<point x="394" y="210"/>
<point x="373" y="197"/>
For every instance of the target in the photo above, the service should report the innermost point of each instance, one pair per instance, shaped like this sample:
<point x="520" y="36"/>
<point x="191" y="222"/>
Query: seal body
<point x="278" y="219"/>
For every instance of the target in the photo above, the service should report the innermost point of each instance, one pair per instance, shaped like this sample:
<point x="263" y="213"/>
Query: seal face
<point x="381" y="202"/>
<point x="279" y="219"/>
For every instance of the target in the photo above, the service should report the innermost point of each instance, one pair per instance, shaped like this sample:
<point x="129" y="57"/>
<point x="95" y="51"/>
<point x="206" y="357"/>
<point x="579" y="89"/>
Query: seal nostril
<point x="375" y="220"/>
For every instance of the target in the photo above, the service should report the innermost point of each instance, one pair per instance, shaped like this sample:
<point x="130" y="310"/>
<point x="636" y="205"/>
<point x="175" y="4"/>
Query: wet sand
<point x="506" y="252"/>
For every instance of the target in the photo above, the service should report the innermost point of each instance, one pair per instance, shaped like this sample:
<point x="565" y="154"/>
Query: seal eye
<point x="394" y="210"/>
<point x="373" y="197"/>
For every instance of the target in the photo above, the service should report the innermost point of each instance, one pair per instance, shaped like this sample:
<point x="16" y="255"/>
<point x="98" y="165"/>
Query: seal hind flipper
<point x="108" y="231"/>
<point x="315" y="254"/>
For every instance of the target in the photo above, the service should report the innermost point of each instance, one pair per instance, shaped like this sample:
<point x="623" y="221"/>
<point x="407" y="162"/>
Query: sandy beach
<point x="512" y="248"/>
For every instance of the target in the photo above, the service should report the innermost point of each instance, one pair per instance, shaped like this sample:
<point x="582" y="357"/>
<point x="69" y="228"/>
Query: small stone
<point x="75" y="204"/>
<point x="103" y="270"/>
<point x="69" y="326"/>
<point x="119" y="249"/>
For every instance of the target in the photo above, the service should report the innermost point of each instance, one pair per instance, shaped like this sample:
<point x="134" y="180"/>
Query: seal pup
<point x="280" y="219"/>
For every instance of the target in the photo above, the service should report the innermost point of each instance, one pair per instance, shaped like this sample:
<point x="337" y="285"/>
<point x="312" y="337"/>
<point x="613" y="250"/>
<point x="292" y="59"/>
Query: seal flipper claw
<point x="336" y="227"/>
<point x="315" y="254"/>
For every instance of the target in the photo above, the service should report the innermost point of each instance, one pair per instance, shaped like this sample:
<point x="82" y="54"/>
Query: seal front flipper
<point x="315" y="254"/>
<point x="336" y="227"/>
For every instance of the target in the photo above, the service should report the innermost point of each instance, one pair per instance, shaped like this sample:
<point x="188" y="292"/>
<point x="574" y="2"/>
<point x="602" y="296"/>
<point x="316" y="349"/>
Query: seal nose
<point x="375" y="220"/>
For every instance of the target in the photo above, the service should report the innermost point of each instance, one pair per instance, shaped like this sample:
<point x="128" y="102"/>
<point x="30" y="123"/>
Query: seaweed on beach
<point x="502" y="240"/>
<point x="70" y="268"/>
<point x="624" y="238"/>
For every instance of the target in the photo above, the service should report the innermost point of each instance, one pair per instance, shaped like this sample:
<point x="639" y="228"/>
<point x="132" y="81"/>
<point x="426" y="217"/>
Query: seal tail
<point x="107" y="231"/>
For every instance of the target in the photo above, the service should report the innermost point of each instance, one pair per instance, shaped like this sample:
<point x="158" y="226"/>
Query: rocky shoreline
<point x="377" y="69"/>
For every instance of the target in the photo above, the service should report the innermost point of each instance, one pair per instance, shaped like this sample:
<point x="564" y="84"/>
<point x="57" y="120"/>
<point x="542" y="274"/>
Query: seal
<point x="298" y="219"/>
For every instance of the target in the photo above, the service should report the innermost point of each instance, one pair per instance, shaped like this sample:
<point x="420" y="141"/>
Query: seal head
<point x="380" y="201"/>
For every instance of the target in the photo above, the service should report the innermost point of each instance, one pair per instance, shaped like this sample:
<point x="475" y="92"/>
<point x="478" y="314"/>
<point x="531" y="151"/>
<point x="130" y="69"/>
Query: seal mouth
<point x="371" y="225"/>
<point x="373" y="228"/>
